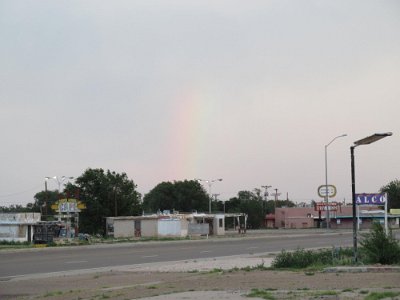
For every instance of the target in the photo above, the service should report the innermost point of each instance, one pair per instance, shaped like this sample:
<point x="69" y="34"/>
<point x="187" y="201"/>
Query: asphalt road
<point x="47" y="260"/>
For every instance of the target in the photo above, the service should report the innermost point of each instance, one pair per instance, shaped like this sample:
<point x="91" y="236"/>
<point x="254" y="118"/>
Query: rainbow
<point x="187" y="136"/>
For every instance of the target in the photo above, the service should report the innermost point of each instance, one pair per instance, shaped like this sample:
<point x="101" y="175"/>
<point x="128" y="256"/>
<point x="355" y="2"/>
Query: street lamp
<point x="365" y="141"/>
<point x="60" y="181"/>
<point x="210" y="183"/>
<point x="328" y="220"/>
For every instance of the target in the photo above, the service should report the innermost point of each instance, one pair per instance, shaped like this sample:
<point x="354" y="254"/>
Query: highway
<point x="47" y="260"/>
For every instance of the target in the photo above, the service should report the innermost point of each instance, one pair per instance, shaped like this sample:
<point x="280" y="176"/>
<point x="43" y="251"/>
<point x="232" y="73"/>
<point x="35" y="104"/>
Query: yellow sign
<point x="68" y="206"/>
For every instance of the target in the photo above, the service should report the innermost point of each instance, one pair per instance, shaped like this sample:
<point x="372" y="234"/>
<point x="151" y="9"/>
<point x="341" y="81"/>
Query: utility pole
<point x="266" y="187"/>
<point x="215" y="197"/>
<point x="276" y="194"/>
<point x="46" y="195"/>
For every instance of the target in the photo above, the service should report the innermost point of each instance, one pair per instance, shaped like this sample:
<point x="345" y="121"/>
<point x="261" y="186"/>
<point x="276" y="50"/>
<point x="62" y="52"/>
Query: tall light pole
<point x="210" y="183"/>
<point x="328" y="220"/>
<point x="365" y="141"/>
<point x="60" y="180"/>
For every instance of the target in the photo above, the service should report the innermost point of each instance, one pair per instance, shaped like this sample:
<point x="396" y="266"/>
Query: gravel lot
<point x="200" y="279"/>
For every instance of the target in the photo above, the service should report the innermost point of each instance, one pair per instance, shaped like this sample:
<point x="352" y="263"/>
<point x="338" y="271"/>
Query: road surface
<point x="47" y="260"/>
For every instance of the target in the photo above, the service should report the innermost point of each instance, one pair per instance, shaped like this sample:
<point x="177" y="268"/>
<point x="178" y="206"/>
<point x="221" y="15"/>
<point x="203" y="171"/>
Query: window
<point x="221" y="223"/>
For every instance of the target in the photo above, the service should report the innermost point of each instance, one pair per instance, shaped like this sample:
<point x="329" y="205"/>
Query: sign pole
<point x="386" y="214"/>
<point x="353" y="196"/>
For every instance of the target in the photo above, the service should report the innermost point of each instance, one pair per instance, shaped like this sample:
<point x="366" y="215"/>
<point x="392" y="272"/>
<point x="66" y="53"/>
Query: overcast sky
<point x="247" y="91"/>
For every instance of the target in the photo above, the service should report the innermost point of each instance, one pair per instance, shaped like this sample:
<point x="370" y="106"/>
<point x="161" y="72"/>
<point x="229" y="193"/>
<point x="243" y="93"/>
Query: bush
<point x="379" y="247"/>
<point x="303" y="258"/>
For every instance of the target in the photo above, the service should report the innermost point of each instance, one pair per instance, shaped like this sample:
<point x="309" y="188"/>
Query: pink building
<point x="309" y="217"/>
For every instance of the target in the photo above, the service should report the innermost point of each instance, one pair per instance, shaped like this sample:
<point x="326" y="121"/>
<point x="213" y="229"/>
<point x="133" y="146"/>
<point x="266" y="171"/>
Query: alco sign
<point x="331" y="191"/>
<point x="371" y="199"/>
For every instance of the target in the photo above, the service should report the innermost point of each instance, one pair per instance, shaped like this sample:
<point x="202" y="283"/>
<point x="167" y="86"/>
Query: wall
<point x="169" y="227"/>
<point x="14" y="226"/>
<point x="219" y="225"/>
<point x="124" y="228"/>
<point x="149" y="228"/>
<point x="296" y="217"/>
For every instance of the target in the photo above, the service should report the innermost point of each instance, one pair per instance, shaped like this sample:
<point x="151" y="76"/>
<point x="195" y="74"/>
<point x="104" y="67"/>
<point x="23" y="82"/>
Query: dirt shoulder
<point x="200" y="279"/>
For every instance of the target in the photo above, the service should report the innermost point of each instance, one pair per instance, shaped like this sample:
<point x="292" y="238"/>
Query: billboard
<point x="371" y="199"/>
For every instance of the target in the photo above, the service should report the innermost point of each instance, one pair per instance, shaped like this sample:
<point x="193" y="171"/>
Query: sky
<point x="247" y="91"/>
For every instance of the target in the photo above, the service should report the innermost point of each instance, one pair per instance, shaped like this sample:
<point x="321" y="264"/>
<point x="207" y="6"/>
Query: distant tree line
<point x="108" y="193"/>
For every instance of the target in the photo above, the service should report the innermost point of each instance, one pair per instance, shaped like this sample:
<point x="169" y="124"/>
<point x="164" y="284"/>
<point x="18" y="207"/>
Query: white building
<point x="17" y="227"/>
<point x="168" y="225"/>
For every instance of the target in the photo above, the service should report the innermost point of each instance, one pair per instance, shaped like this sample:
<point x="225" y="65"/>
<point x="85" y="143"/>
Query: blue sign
<point x="371" y="199"/>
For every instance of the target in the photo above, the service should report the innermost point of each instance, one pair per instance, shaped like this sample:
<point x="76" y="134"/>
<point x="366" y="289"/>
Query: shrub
<point x="305" y="258"/>
<point x="379" y="247"/>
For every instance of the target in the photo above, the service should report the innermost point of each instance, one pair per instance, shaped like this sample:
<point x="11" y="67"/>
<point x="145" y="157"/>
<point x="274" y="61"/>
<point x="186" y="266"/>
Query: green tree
<point x="105" y="194"/>
<point x="43" y="202"/>
<point x="17" y="208"/>
<point x="250" y="203"/>
<point x="393" y="191"/>
<point x="186" y="196"/>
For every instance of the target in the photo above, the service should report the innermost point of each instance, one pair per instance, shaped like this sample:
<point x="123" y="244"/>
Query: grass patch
<point x="4" y="245"/>
<point x="383" y="295"/>
<point x="152" y="287"/>
<point x="53" y="293"/>
<point x="216" y="270"/>
<point x="309" y="273"/>
<point x="325" y="293"/>
<point x="263" y="294"/>
<point x="193" y="271"/>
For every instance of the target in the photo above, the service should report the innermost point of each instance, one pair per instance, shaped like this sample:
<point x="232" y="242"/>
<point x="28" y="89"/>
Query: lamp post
<point x="60" y="181"/>
<point x="210" y="183"/>
<point x="365" y="141"/>
<point x="328" y="220"/>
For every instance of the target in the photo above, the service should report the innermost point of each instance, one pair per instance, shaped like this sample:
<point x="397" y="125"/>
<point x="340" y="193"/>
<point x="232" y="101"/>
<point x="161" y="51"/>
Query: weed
<point x="152" y="287"/>
<point x="309" y="273"/>
<point x="52" y="294"/>
<point x="364" y="292"/>
<point x="377" y="296"/>
<point x="216" y="270"/>
<point x="263" y="294"/>
<point x="301" y="258"/>
<point x="347" y="290"/>
<point x="380" y="247"/>
<point x="325" y="293"/>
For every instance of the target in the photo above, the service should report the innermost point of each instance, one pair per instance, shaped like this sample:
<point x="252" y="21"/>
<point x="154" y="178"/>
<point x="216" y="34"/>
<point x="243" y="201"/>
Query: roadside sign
<point x="322" y="191"/>
<point x="372" y="199"/>
<point x="323" y="206"/>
